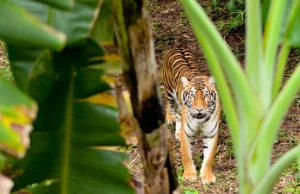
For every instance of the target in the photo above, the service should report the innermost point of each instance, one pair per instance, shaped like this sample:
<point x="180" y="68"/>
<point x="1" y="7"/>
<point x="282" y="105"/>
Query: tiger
<point x="192" y="102"/>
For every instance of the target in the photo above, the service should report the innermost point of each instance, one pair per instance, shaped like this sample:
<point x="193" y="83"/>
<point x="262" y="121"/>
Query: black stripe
<point x="186" y="134"/>
<point x="190" y="127"/>
<point x="213" y="94"/>
<point x="213" y="128"/>
<point x="205" y="147"/>
<point x="216" y="112"/>
<point x="214" y="107"/>
<point x="208" y="137"/>
<point x="207" y="118"/>
<point x="188" y="123"/>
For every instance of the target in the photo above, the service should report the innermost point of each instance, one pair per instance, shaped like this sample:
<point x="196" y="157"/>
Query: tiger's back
<point x="177" y="63"/>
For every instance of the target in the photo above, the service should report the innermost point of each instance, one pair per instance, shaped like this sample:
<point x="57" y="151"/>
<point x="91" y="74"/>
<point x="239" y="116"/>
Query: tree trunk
<point x="139" y="69"/>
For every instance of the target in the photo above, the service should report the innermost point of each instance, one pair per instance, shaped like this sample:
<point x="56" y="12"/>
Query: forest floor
<point x="171" y="29"/>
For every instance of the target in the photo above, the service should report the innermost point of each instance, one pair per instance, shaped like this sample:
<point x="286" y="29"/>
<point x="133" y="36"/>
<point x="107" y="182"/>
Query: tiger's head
<point x="200" y="96"/>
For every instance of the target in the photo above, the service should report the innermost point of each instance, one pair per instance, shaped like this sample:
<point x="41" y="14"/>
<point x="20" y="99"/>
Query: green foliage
<point x="192" y="191"/>
<point x="51" y="52"/>
<point x="17" y="112"/>
<point x="13" y="111"/>
<point x="235" y="4"/>
<point x="63" y="4"/>
<point x="252" y="102"/>
<point x="236" y="19"/>
<point x="26" y="28"/>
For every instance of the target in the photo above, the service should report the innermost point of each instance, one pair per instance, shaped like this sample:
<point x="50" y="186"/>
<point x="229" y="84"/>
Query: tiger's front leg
<point x="190" y="172"/>
<point x="178" y="126"/>
<point x="170" y="111"/>
<point x="210" y="140"/>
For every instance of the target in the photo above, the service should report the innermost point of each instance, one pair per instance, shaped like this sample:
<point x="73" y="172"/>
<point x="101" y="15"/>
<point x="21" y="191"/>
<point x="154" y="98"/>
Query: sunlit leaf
<point x="17" y="112"/>
<point x="46" y="187"/>
<point x="23" y="28"/>
<point x="104" y="98"/>
<point x="76" y="24"/>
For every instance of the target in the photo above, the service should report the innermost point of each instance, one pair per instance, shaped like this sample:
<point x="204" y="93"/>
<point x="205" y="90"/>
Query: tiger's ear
<point x="211" y="81"/>
<point x="185" y="81"/>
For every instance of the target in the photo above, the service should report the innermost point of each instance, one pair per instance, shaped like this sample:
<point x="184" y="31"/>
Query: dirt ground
<point x="171" y="29"/>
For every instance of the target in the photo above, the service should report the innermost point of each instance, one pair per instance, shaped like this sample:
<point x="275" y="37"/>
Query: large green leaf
<point x="76" y="24"/>
<point x="285" y="27"/>
<point x="89" y="178"/>
<point x="23" y="28"/>
<point x="17" y="112"/>
<point x="88" y="82"/>
<point x="105" y="132"/>
<point x="62" y="4"/>
<point x="46" y="187"/>
<point x="32" y="69"/>
<point x="67" y="129"/>
<point x="15" y="109"/>
<point x="64" y="131"/>
<point x="105" y="21"/>
<point x="10" y="141"/>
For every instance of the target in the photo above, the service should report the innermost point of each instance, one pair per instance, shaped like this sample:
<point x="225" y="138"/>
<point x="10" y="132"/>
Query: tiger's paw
<point x="190" y="175"/>
<point x="207" y="178"/>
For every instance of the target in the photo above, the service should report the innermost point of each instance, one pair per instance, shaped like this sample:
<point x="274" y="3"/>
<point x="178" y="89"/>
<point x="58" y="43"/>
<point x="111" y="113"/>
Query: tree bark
<point x="139" y="69"/>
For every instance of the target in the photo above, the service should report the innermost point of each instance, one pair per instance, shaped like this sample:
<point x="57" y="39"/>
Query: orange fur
<point x="207" y="175"/>
<point x="186" y="154"/>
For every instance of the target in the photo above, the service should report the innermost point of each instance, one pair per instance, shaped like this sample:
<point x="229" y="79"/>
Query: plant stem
<point x="271" y="41"/>
<point x="285" y="49"/>
<point x="283" y="55"/>
<point x="271" y="124"/>
<point x="269" y="180"/>
<point x="253" y="42"/>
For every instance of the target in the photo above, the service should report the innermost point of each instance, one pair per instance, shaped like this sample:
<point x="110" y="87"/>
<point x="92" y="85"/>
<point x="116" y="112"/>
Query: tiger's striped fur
<point x="192" y="102"/>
